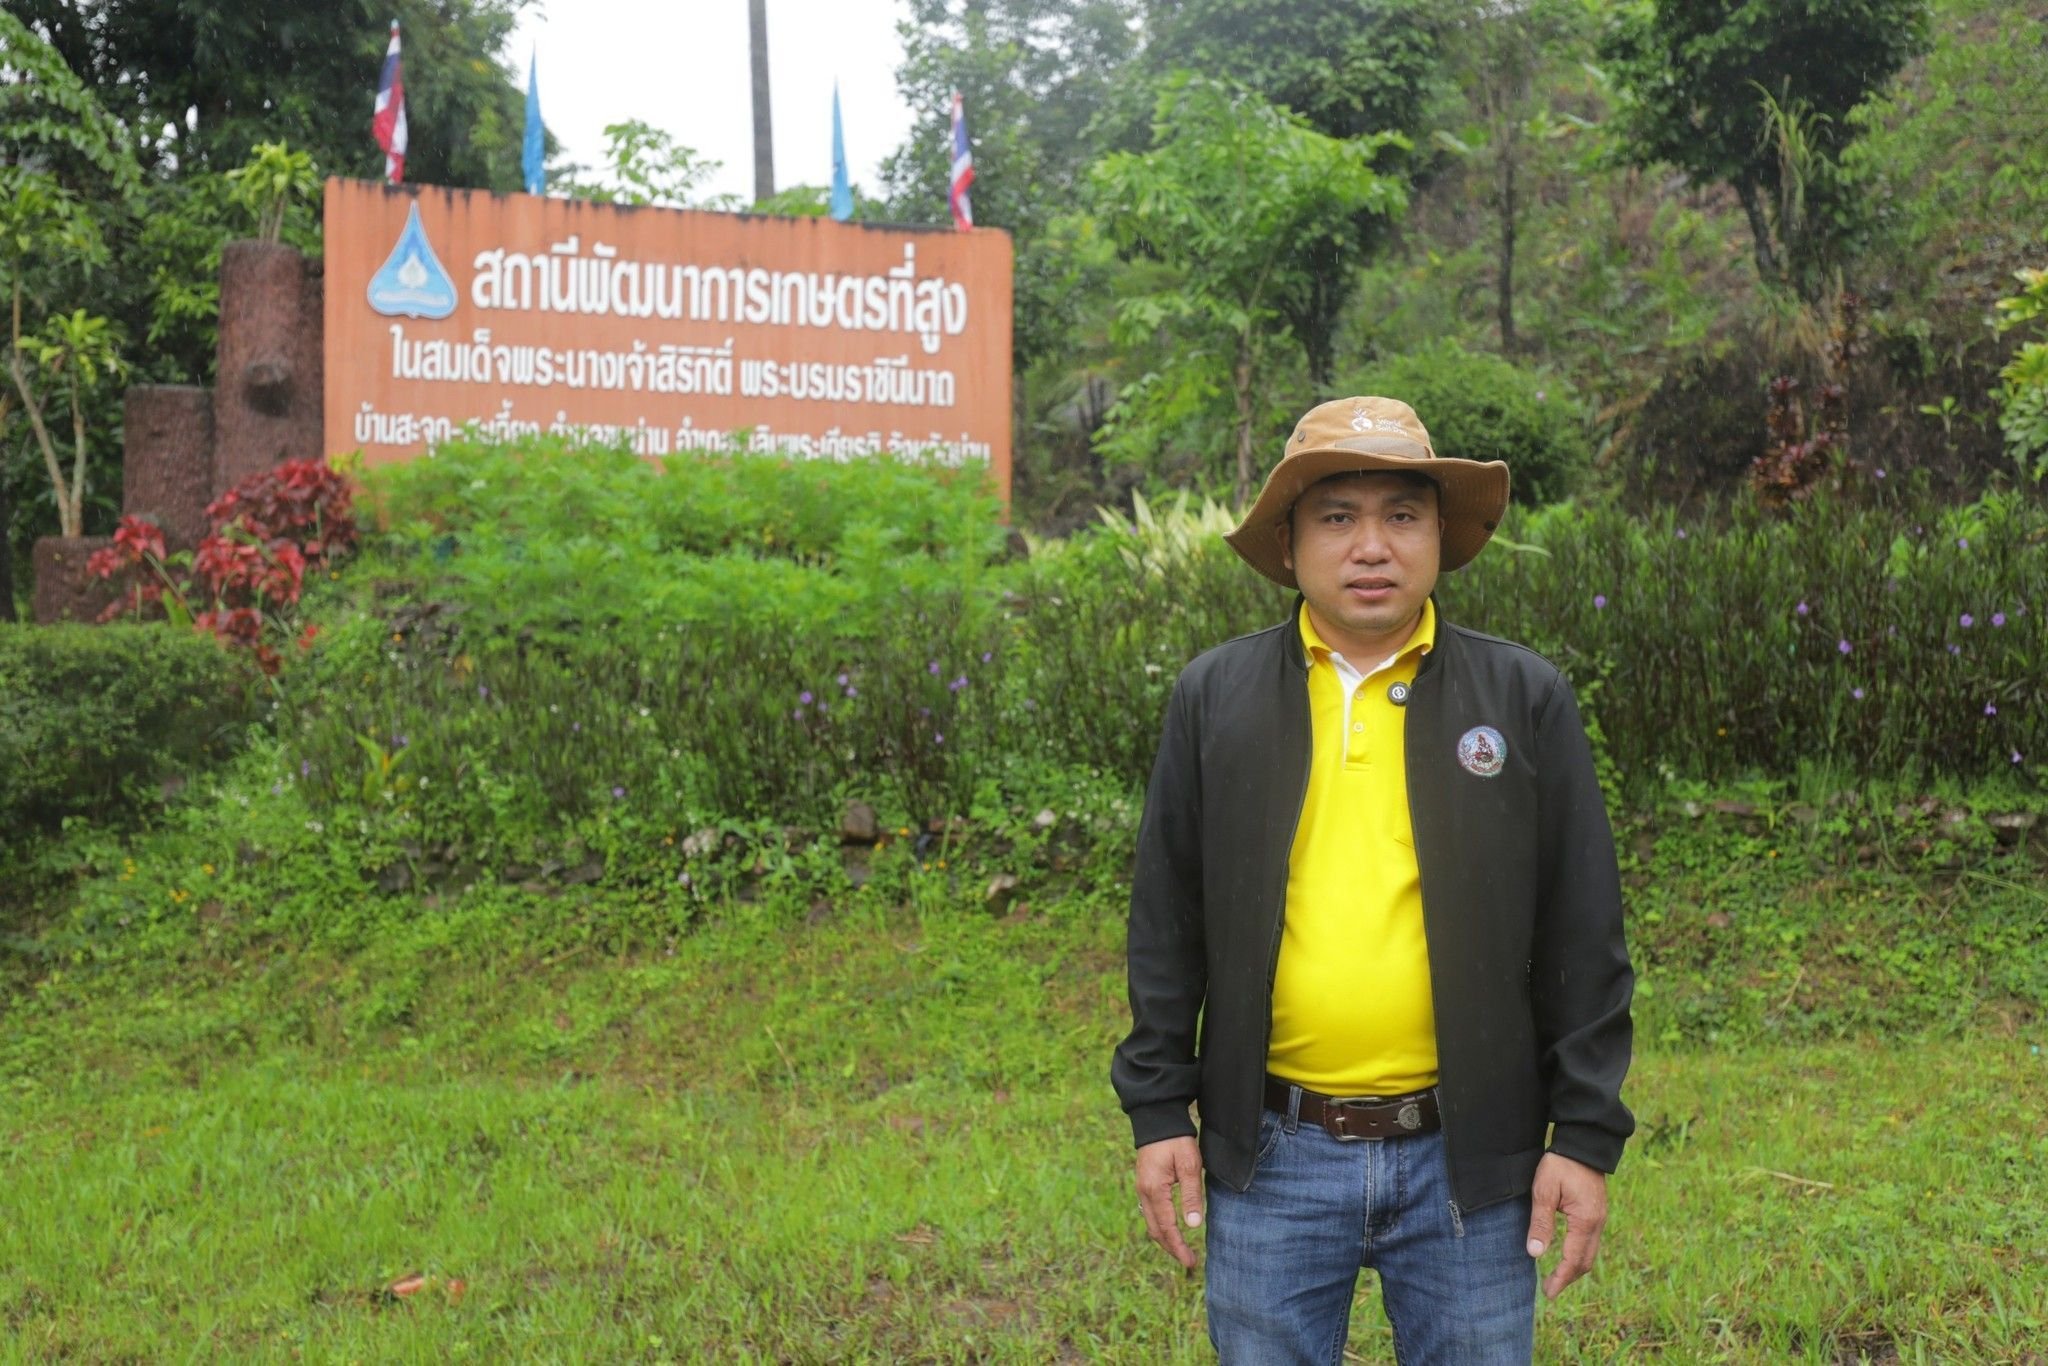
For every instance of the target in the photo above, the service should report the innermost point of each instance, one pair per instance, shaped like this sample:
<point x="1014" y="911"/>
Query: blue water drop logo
<point x="412" y="283"/>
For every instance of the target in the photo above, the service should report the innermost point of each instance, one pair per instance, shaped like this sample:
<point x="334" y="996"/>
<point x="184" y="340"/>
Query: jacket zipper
<point x="1415" y="837"/>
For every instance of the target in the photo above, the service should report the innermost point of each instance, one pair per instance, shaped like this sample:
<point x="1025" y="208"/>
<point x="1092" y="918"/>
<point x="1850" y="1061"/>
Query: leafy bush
<point x="2023" y="400"/>
<point x="1894" y="638"/>
<point x="1481" y="407"/>
<point x="92" y="719"/>
<point x="536" y="690"/>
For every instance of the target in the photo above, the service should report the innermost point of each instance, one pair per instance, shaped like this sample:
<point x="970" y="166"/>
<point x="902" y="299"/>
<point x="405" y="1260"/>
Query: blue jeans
<point x="1283" y="1256"/>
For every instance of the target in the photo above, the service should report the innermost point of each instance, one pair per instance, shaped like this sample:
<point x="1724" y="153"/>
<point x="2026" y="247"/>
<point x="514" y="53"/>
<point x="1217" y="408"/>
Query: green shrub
<point x="94" y="718"/>
<point x="1481" y="407"/>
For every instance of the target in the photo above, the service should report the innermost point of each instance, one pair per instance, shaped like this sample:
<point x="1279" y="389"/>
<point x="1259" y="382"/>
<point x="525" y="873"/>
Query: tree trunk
<point x="764" y="132"/>
<point x="1241" y="381"/>
<point x="35" y="420"/>
<point x="7" y="612"/>
<point x="1504" y="274"/>
<point x="1759" y="232"/>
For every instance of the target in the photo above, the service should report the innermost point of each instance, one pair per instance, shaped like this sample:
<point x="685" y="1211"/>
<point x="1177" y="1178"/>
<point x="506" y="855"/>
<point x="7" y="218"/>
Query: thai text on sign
<point x="675" y="331"/>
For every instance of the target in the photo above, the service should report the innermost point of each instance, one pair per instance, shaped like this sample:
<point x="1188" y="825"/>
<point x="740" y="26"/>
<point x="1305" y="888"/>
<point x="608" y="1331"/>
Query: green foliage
<point x="271" y="184"/>
<point x="644" y="165"/>
<point x="44" y="106"/>
<point x="1702" y="77"/>
<point x="1035" y="75"/>
<point x="92" y="719"/>
<point x="1879" y="638"/>
<point x="2023" y="402"/>
<point x="1238" y="201"/>
<point x="202" y="83"/>
<point x="1480" y="407"/>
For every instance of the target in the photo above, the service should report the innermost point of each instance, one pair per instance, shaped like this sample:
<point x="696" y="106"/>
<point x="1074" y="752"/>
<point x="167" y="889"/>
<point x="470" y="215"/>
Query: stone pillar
<point x="167" y="459"/>
<point x="64" y="590"/>
<point x="267" y="398"/>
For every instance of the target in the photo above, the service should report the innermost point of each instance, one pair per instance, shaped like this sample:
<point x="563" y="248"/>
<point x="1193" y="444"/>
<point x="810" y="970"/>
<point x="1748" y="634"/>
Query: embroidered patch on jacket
<point x="1483" y="750"/>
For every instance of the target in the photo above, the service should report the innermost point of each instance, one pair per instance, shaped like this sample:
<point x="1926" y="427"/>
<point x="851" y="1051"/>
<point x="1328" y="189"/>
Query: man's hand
<point x="1162" y="1166"/>
<point x="1578" y="1193"/>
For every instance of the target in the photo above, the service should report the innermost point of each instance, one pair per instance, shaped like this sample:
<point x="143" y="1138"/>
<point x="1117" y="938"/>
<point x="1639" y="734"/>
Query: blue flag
<point x="842" y="190"/>
<point x="536" y="136"/>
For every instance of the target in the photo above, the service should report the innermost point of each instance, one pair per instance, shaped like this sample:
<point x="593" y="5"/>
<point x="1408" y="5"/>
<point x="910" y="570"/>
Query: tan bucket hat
<point x="1347" y="435"/>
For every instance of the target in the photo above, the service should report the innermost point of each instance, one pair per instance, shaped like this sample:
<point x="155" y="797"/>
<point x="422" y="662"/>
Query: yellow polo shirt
<point x="1352" y="1011"/>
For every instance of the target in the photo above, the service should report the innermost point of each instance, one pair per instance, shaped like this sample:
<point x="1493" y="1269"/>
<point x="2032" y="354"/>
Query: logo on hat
<point x="1361" y="420"/>
<point x="1483" y="751"/>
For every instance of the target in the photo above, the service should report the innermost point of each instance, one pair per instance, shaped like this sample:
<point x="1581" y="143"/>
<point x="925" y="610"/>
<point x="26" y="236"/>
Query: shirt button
<point x="1358" y="727"/>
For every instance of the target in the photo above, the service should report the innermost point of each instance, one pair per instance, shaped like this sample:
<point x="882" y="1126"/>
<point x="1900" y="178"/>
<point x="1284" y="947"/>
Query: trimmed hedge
<point x="93" y="719"/>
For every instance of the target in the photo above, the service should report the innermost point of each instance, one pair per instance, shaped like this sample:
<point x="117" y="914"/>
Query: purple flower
<point x="683" y="878"/>
<point x="824" y="707"/>
<point x="1599" y="602"/>
<point x="852" y="691"/>
<point x="1955" y="649"/>
<point x="938" y="739"/>
<point x="987" y="655"/>
<point x="804" y="697"/>
<point x="1802" y="609"/>
<point x="957" y="684"/>
<point x="1880" y="473"/>
<point x="2015" y="756"/>
<point x="1843" y="646"/>
<point x="1991" y="709"/>
<point x="277" y="788"/>
<point x="575" y="727"/>
<point x="842" y="680"/>
<point x="618" y="792"/>
<point x="1681" y="533"/>
<point x="1892" y="631"/>
<point x="1856" y="693"/>
<point x="932" y="668"/>
<point x="482" y="691"/>
<point x="1967" y="620"/>
<point x="924" y="711"/>
<point x="797" y="712"/>
<point x="399" y="741"/>
<point x="1962" y="542"/>
<point x="305" y="767"/>
<point x="1998" y="618"/>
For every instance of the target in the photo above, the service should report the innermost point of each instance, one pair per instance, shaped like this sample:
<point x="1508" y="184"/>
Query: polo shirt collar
<point x="1314" y="648"/>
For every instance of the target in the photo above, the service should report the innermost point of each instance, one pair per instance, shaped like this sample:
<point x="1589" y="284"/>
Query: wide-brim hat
<point x="1352" y="435"/>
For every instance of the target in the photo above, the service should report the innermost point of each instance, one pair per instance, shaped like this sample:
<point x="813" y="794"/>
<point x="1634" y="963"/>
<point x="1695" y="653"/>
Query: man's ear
<point x="1286" y="534"/>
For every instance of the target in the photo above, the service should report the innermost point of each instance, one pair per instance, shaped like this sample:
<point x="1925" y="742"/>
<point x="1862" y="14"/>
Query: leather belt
<point x="1358" y="1117"/>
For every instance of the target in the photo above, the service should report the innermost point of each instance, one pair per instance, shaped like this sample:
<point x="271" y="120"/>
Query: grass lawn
<point x="878" y="1136"/>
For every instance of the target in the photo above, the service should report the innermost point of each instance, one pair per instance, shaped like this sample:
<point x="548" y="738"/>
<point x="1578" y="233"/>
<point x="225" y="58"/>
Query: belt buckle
<point x="1409" y="1116"/>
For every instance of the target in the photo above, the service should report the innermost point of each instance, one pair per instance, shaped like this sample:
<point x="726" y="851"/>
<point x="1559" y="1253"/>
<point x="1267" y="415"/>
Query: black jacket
<point x="1520" y="894"/>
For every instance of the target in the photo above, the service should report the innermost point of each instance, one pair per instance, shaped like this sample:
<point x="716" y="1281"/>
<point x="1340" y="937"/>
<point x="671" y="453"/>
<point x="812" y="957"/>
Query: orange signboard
<point x="677" y="331"/>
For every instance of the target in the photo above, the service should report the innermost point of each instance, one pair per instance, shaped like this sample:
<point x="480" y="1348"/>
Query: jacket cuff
<point x="1582" y="1143"/>
<point x="1160" y="1120"/>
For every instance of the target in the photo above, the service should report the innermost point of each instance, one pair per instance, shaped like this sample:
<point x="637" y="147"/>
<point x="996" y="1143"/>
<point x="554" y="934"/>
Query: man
<point x="1375" y="933"/>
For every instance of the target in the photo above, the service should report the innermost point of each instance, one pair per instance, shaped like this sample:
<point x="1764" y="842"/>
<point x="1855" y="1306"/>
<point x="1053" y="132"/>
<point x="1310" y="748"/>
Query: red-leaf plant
<point x="269" y="531"/>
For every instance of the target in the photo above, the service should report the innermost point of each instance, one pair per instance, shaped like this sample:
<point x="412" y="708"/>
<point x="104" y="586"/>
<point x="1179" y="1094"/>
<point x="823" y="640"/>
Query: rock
<point x="2011" y="826"/>
<point x="1731" y="808"/>
<point x="1045" y="819"/>
<point x="1719" y="920"/>
<point x="1002" y="890"/>
<point x="589" y="871"/>
<point x="858" y="824"/>
<point x="855" y="861"/>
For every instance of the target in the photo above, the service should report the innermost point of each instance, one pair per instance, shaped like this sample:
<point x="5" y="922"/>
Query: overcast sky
<point x="682" y="66"/>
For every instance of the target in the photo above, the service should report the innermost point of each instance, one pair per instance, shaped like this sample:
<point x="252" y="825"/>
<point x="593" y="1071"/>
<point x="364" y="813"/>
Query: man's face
<point x="1365" y="550"/>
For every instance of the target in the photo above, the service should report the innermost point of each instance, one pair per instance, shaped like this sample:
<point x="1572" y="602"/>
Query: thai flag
<point x="963" y="168"/>
<point x="389" y="123"/>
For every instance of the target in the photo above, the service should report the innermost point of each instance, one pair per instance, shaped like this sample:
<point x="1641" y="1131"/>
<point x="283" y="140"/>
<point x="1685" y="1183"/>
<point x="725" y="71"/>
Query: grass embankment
<point x="877" y="1125"/>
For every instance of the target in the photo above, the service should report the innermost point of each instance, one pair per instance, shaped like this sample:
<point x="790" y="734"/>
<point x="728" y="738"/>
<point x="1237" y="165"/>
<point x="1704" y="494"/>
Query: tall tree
<point x="1756" y="94"/>
<point x="1035" y="73"/>
<point x="1234" y="202"/>
<point x="1349" y="68"/>
<point x="1496" y="52"/>
<point x="199" y="83"/>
